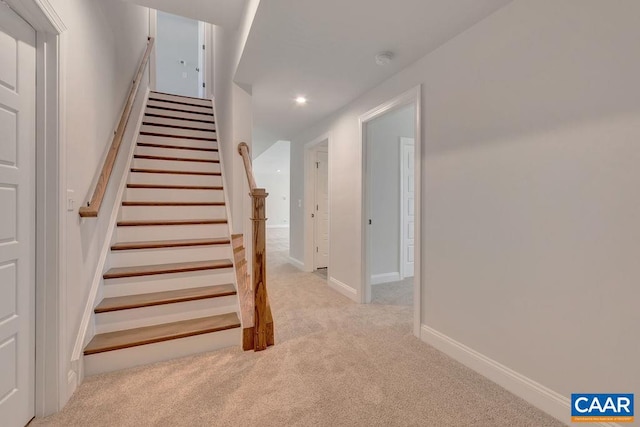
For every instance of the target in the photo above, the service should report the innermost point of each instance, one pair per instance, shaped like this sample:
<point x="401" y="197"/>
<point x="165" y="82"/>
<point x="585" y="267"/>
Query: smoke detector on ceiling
<point x="383" y="58"/>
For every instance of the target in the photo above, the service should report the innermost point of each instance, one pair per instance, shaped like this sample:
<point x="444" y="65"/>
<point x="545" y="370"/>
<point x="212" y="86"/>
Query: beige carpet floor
<point x="335" y="363"/>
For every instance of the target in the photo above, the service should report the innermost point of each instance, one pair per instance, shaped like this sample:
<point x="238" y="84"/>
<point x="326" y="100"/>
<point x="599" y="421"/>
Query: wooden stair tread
<point x="160" y="298"/>
<point x="169" y="331"/>
<point x="157" y="244"/>
<point x="174" y="159"/>
<point x="175" y="147"/>
<point x="182" y="126"/>
<point x="168" y="135"/>
<point x="179" y="267"/>
<point x="143" y="223"/>
<point x="180" y="96"/>
<point x="186" y="119"/>
<point x="178" y="109"/>
<point x="147" y="203"/>
<point x="176" y="187"/>
<point x="165" y="171"/>
<point x="179" y="101"/>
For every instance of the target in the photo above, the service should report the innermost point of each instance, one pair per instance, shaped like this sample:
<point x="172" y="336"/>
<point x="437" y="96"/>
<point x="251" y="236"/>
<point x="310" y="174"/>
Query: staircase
<point x="169" y="290"/>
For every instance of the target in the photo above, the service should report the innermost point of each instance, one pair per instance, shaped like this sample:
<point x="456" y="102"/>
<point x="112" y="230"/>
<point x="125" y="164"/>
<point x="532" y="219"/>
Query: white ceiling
<point x="325" y="50"/>
<point x="225" y="13"/>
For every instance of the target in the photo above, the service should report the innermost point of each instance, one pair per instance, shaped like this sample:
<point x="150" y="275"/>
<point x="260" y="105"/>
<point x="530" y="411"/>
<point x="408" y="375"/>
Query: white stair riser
<point x="172" y="106"/>
<point x="173" y="165"/>
<point x="180" y="123"/>
<point x="172" y="195"/>
<point x="172" y="212"/>
<point x="179" y="114"/>
<point x="134" y="257"/>
<point x="173" y="179"/>
<point x="173" y="152"/>
<point x="178" y="132"/>
<point x="151" y="139"/>
<point x="166" y="350"/>
<point x="169" y="97"/>
<point x="167" y="313"/>
<point x="166" y="282"/>
<point x="171" y="232"/>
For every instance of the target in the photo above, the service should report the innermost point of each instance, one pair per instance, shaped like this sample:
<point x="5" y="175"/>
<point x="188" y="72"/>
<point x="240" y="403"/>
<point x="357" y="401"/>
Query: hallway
<point x="334" y="363"/>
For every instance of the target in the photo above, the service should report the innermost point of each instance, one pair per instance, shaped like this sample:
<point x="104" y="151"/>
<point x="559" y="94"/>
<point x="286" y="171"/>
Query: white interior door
<point x="322" y="210"/>
<point x="17" y="219"/>
<point x="178" y="55"/>
<point x="407" y="171"/>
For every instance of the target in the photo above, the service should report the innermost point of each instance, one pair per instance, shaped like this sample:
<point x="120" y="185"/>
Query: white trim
<point x="296" y="263"/>
<point x="344" y="289"/>
<point x="278" y="226"/>
<point x="202" y="63"/>
<point x="50" y="340"/>
<point x="309" y="191"/>
<point x="543" y="398"/>
<point x="412" y="96"/>
<point x="40" y="14"/>
<point x="378" y="279"/>
<point x="87" y="314"/>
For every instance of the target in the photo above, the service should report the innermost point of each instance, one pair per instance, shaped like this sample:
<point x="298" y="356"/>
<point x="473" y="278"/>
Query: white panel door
<point x="17" y="219"/>
<point x="322" y="210"/>
<point x="407" y="171"/>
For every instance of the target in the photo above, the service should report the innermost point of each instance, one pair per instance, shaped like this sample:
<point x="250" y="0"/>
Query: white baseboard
<point x="278" y="226"/>
<point x="344" y="289"/>
<point x="543" y="398"/>
<point x="297" y="263"/>
<point x="377" y="279"/>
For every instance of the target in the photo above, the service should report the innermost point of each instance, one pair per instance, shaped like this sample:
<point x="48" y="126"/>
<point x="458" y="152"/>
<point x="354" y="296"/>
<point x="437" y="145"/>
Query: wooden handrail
<point x="243" y="149"/>
<point x="93" y="207"/>
<point x="262" y="320"/>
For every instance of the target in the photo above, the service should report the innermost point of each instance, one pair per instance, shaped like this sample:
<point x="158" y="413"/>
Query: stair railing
<point x="263" y="326"/>
<point x="93" y="206"/>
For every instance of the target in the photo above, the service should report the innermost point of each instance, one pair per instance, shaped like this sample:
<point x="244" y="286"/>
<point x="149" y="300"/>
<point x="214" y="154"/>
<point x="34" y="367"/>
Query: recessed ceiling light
<point x="301" y="100"/>
<point x="278" y="171"/>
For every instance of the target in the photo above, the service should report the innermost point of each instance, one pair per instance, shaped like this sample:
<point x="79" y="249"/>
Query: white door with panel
<point x="17" y="219"/>
<point x="407" y="190"/>
<point x="321" y="213"/>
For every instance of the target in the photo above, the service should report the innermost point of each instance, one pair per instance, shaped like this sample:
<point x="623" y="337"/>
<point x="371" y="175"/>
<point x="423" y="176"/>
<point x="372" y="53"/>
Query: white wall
<point x="177" y="55"/>
<point x="233" y="109"/>
<point x="383" y="145"/>
<point x="100" y="51"/>
<point x="530" y="203"/>
<point x="277" y="185"/>
<point x="271" y="170"/>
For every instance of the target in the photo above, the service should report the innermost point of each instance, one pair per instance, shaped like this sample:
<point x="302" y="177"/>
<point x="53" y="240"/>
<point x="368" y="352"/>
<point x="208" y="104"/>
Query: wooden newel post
<point x="258" y="197"/>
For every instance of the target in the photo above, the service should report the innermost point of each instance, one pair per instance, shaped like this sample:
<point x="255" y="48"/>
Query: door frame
<point x="315" y="201"/>
<point x="309" y="197"/>
<point x="202" y="62"/>
<point x="412" y="96"/>
<point x="51" y="378"/>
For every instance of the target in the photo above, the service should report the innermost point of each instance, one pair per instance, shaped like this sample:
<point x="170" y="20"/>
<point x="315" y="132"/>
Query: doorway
<point x="18" y="214"/>
<point x="391" y="199"/>
<point x="180" y="50"/>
